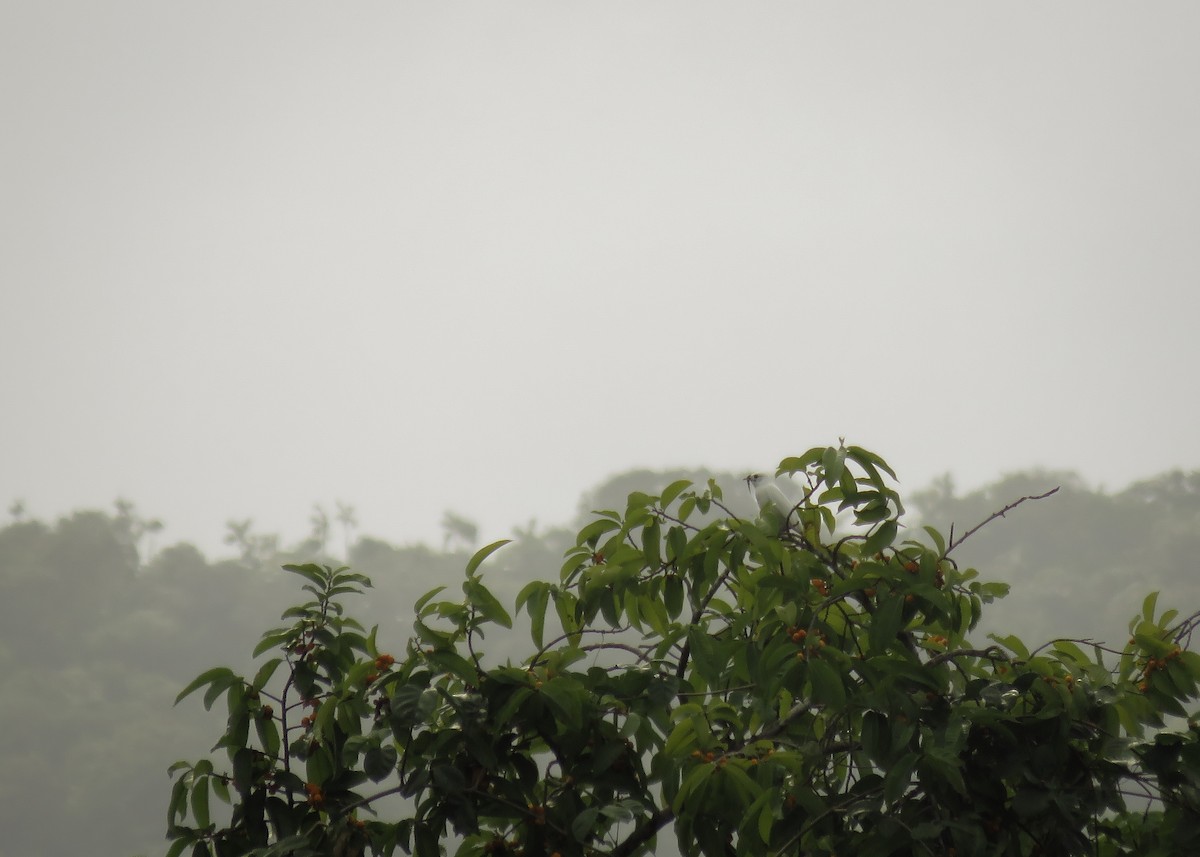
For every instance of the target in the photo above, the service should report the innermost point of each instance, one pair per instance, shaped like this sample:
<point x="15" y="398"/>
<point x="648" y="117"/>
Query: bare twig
<point x="642" y="654"/>
<point x="1183" y="630"/>
<point x="1084" y="642"/>
<point x="956" y="542"/>
<point x="993" y="653"/>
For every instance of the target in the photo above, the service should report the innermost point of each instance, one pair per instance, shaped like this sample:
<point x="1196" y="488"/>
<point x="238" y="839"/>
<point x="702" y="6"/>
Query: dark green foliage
<point x="809" y="684"/>
<point x="1076" y="563"/>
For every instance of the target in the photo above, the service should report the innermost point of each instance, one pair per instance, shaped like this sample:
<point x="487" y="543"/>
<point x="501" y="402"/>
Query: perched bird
<point x="768" y="496"/>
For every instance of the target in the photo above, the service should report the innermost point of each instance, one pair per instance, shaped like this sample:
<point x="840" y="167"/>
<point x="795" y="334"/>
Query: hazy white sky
<point x="479" y="256"/>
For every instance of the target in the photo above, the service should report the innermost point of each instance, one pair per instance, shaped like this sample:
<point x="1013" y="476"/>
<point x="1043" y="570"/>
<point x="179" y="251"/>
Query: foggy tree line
<point x="100" y="626"/>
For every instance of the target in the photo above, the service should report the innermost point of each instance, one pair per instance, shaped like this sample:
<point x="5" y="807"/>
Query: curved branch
<point x="956" y="542"/>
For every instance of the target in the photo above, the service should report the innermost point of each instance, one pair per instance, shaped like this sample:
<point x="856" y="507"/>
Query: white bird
<point x="768" y="495"/>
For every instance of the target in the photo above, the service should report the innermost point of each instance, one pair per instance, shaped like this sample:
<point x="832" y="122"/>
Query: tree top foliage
<point x="805" y="681"/>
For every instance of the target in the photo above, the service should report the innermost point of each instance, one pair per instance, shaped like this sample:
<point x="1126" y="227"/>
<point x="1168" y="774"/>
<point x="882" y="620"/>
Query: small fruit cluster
<point x="315" y="796"/>
<point x="801" y="637"/>
<point x="1154" y="665"/>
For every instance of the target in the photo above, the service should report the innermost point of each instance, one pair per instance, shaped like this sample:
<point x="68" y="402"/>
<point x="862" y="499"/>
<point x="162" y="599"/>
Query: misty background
<point x="405" y="260"/>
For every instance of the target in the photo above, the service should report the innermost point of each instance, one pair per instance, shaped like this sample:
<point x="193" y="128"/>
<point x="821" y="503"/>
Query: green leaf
<point x="1148" y="606"/>
<point x="766" y="816"/>
<point x="740" y="783"/>
<point x="318" y="767"/>
<point x="426" y="598"/>
<point x="898" y="778"/>
<point x="378" y="762"/>
<point x="479" y="597"/>
<point x="886" y="624"/>
<point x="693" y="782"/>
<point x="706" y="655"/>
<point x="581" y="827"/>
<point x="265" y="672"/>
<point x="833" y="460"/>
<point x="1070" y="653"/>
<point x="566" y="696"/>
<point x="674" y="490"/>
<point x="272" y="639"/>
<point x="482" y="554"/>
<point x="681" y="740"/>
<point x="651" y="543"/>
<point x="179" y="795"/>
<point x="243" y="770"/>
<point x="1013" y="644"/>
<point x="677" y="544"/>
<point x="535" y="597"/>
<point x="826" y="683"/>
<point x="221" y="677"/>
<point x="874" y="735"/>
<point x="881" y="538"/>
<point x="673" y="595"/>
<point x="803" y="462"/>
<point x="200" y="802"/>
<point x="220" y="788"/>
<point x="865" y="458"/>
<point x="454" y="663"/>
<point x="316" y="575"/>
<point x="939" y="542"/>
<point x="268" y="735"/>
<point x="593" y="531"/>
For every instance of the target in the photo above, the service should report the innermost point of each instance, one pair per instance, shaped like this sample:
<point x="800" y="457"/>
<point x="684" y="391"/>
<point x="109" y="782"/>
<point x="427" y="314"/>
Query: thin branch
<point x="665" y="517"/>
<point x="566" y="635"/>
<point x="728" y="513"/>
<point x="956" y="542"/>
<point x="780" y="726"/>
<point x="993" y="653"/>
<point x="643" y="654"/>
<point x="644" y="833"/>
<point x="1084" y="642"/>
<point x="1185" y="628"/>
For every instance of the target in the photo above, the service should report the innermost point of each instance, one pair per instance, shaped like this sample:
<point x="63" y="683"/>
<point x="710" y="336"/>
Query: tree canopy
<point x="805" y="681"/>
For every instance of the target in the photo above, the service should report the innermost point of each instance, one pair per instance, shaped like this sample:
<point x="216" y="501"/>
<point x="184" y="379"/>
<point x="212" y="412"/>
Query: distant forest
<point x="99" y="630"/>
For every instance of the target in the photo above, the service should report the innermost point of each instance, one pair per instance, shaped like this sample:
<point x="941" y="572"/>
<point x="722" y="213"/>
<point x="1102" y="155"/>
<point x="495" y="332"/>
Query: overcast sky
<point x="479" y="256"/>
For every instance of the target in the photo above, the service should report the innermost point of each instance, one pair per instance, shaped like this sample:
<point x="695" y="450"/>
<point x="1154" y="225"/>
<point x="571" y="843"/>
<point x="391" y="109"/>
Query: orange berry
<point x="384" y="662"/>
<point x="911" y="567"/>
